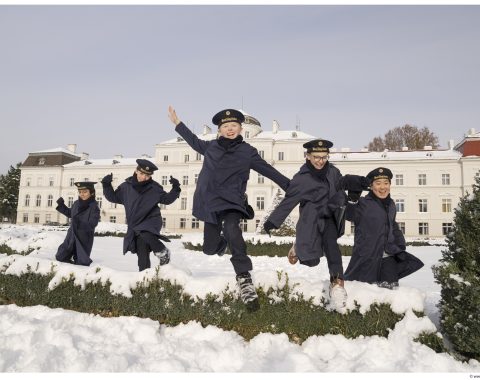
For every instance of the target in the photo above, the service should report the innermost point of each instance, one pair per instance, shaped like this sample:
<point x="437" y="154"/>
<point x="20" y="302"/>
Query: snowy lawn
<point x="42" y="340"/>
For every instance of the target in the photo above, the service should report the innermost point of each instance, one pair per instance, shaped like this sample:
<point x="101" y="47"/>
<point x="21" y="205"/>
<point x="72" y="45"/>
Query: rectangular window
<point x="25" y="218"/>
<point x="99" y="201"/>
<point x="196" y="178"/>
<point x="401" y="225"/>
<point x="257" y="223"/>
<point x="113" y="219"/>
<point x="422" y="205"/>
<point x="198" y="157"/>
<point x="423" y="228"/>
<point x="183" y="223"/>
<point x="399" y="179"/>
<point x="352" y="228"/>
<point x="164" y="222"/>
<point x="48" y="218"/>
<point x="280" y="156"/>
<point x="261" y="179"/>
<point x="38" y="201"/>
<point x="186" y="158"/>
<point x="70" y="201"/>
<point x="165" y="158"/>
<point x="243" y="225"/>
<point x="29" y="180"/>
<point x="422" y="179"/>
<point x="36" y="218"/>
<point x="260" y="203"/>
<point x="50" y="181"/>
<point x="72" y="181"/>
<point x="50" y="201"/>
<point x="195" y="224"/>
<point x="27" y="200"/>
<point x="400" y="205"/>
<point x="445" y="179"/>
<point x="164" y="180"/>
<point x="183" y="204"/>
<point x="447" y="228"/>
<point x="185" y="180"/>
<point x="446" y="205"/>
<point x="261" y="153"/>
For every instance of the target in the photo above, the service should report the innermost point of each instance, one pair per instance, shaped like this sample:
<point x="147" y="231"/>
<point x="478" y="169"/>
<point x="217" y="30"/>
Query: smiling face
<point x="84" y="194"/>
<point x="381" y="188"/>
<point x="318" y="160"/>
<point x="230" y="130"/>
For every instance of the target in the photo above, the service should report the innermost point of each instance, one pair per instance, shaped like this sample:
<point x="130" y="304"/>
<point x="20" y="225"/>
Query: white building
<point x="427" y="184"/>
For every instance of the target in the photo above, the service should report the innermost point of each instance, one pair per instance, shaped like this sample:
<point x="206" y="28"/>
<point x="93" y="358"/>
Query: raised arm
<point x="62" y="209"/>
<point x="197" y="144"/>
<point x="173" y="194"/>
<point x="264" y="168"/>
<point x="108" y="192"/>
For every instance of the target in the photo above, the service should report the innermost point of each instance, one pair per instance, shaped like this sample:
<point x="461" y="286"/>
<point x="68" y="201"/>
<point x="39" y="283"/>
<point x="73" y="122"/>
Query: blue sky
<point x="103" y="76"/>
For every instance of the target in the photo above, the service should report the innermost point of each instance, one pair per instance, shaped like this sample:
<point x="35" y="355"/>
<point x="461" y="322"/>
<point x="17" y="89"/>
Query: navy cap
<point x="228" y="115"/>
<point x="380" y="173"/>
<point x="318" y="145"/>
<point x="145" y="166"/>
<point x="85" y="185"/>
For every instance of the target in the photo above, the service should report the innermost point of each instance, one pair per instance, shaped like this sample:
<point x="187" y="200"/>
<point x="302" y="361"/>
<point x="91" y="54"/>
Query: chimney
<point x="117" y="157"/>
<point x="471" y="131"/>
<point x="451" y="144"/>
<point x="206" y="130"/>
<point x="275" y="127"/>
<point x="85" y="156"/>
<point x="72" y="147"/>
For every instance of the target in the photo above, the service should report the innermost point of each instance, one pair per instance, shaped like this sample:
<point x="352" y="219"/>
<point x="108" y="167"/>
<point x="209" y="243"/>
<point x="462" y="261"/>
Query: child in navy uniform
<point x="379" y="250"/>
<point x="84" y="215"/>
<point x="219" y="198"/>
<point x="140" y="195"/>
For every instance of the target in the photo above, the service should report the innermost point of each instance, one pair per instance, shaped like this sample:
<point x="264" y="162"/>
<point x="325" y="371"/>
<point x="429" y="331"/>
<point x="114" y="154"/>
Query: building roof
<point x="103" y="162"/>
<point x="55" y="150"/>
<point x="395" y="155"/>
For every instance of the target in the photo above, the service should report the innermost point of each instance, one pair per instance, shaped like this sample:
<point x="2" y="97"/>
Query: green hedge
<point x="167" y="303"/>
<point x="267" y="249"/>
<point x="10" y="251"/>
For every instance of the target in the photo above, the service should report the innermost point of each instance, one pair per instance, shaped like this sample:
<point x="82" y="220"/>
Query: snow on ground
<point x="40" y="339"/>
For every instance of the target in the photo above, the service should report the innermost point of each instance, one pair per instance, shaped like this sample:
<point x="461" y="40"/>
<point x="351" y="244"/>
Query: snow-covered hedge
<point x="28" y="281"/>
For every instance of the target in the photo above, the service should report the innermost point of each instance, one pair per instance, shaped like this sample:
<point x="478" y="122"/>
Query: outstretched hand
<point x="172" y="115"/>
<point x="175" y="182"/>
<point x="107" y="179"/>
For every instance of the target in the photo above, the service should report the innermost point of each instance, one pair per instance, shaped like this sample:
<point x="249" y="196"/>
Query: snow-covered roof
<point x="284" y="135"/>
<point x="55" y="150"/>
<point x="103" y="162"/>
<point x="395" y="155"/>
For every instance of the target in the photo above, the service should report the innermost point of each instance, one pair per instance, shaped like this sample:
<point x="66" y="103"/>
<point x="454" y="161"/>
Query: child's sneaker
<point x="292" y="256"/>
<point x="388" y="285"/>
<point x="163" y="256"/>
<point x="247" y="291"/>
<point x="338" y="295"/>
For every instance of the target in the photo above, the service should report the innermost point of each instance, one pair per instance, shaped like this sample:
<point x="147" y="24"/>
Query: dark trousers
<point x="145" y="243"/>
<point x="389" y="270"/>
<point x="228" y="222"/>
<point x="332" y="252"/>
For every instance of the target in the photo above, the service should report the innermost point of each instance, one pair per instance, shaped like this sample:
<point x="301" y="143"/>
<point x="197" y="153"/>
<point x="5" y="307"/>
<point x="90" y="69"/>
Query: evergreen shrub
<point x="459" y="276"/>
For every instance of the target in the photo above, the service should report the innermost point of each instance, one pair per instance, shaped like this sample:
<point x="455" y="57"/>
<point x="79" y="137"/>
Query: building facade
<point x="426" y="187"/>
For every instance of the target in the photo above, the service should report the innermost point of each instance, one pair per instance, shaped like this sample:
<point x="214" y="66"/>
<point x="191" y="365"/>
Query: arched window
<point x="38" y="201"/>
<point x="50" y="200"/>
<point x="27" y="200"/>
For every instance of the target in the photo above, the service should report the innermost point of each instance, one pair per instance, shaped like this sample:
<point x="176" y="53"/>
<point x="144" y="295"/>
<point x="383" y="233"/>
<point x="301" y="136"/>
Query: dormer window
<point x="41" y="161"/>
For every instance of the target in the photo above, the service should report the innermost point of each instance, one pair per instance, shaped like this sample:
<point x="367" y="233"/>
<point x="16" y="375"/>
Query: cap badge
<point x="380" y="170"/>
<point x="147" y="168"/>
<point x="227" y="113"/>
<point x="320" y="143"/>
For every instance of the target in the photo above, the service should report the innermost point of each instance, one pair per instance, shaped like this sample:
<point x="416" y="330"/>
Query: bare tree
<point x="408" y="135"/>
